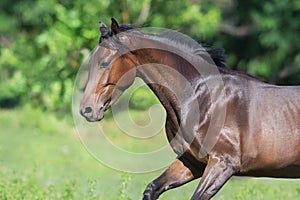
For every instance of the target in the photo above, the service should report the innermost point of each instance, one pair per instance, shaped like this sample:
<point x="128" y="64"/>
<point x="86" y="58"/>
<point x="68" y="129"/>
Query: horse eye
<point x="104" y="64"/>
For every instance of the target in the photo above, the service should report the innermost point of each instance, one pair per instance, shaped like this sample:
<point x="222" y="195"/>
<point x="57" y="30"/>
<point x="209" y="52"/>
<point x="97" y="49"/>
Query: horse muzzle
<point x="93" y="114"/>
<point x="90" y="115"/>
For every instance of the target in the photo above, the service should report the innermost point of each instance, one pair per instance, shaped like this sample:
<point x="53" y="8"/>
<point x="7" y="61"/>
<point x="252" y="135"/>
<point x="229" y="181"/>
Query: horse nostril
<point x="87" y="110"/>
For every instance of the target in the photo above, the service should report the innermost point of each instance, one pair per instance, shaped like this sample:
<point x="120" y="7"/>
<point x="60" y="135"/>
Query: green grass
<point x="41" y="157"/>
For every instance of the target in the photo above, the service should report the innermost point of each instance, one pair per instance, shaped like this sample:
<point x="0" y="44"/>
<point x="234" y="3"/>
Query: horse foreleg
<point x="216" y="173"/>
<point x="179" y="173"/>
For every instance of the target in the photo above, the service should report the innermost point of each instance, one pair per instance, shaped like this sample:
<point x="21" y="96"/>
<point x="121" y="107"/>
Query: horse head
<point x="111" y="71"/>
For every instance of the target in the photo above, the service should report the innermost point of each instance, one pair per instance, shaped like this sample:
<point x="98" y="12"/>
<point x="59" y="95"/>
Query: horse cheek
<point x="124" y="76"/>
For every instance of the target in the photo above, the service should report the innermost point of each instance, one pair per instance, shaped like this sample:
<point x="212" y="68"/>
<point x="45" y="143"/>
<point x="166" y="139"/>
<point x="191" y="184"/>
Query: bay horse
<point x="236" y="126"/>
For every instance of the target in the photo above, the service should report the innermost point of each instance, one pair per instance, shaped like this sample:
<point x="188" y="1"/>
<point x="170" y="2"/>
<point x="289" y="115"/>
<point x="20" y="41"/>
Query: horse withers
<point x="238" y="126"/>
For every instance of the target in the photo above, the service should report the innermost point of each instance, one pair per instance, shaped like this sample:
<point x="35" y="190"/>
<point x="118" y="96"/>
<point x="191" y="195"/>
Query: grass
<point x="41" y="157"/>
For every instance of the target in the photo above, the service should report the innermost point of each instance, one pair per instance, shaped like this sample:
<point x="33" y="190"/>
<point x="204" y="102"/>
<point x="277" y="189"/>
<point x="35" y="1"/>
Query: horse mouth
<point x="107" y="105"/>
<point x="92" y="115"/>
<point x="101" y="111"/>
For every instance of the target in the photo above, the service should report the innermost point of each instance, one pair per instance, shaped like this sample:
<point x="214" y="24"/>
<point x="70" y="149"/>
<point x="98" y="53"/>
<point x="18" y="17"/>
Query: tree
<point x="42" y="41"/>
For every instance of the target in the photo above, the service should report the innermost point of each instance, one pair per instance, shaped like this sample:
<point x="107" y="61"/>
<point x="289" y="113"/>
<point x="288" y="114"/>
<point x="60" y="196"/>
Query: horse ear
<point x="104" y="30"/>
<point x="115" y="26"/>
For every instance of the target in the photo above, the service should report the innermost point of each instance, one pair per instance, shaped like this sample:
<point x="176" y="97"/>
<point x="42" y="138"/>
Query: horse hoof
<point x="147" y="196"/>
<point x="149" y="193"/>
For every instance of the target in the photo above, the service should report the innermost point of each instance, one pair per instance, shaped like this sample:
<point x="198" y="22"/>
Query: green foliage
<point x="270" y="45"/>
<point x="41" y="42"/>
<point x="91" y="194"/>
<point x="143" y="98"/>
<point x="123" y="189"/>
<point x="20" y="187"/>
<point x="278" y="38"/>
<point x="27" y="186"/>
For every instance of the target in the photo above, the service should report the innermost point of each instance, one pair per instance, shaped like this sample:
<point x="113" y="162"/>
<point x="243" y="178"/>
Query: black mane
<point x="216" y="54"/>
<point x="126" y="27"/>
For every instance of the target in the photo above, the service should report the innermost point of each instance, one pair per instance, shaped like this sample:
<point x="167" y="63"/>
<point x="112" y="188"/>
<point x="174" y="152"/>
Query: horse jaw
<point x="99" y="103"/>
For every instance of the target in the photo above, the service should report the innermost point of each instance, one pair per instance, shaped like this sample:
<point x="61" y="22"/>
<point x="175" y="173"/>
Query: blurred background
<point x="42" y="45"/>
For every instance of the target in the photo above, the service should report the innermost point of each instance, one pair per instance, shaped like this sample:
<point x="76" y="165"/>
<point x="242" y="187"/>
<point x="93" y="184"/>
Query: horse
<point x="220" y="122"/>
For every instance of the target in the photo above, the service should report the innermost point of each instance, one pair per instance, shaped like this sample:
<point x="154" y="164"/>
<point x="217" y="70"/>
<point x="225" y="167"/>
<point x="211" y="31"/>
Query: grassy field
<point x="41" y="157"/>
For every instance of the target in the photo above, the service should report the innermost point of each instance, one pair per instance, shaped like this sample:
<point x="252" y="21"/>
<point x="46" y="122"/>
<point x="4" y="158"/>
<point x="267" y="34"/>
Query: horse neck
<point x="162" y="59"/>
<point x="172" y="78"/>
